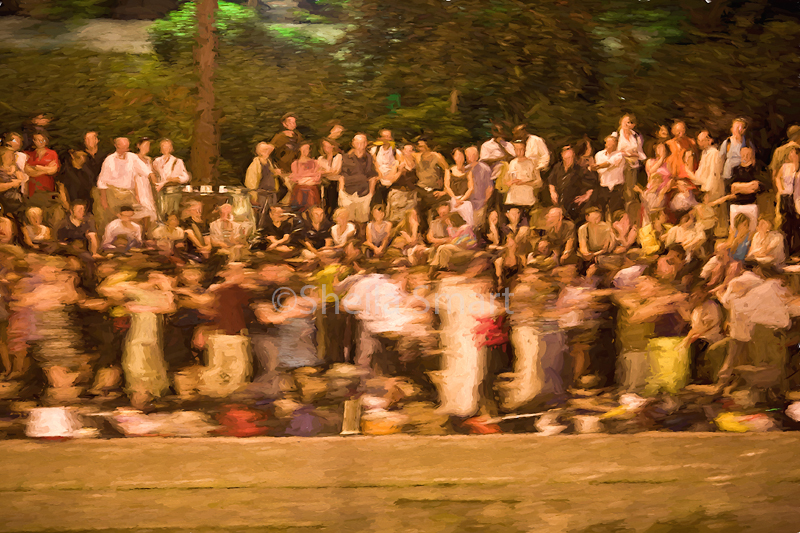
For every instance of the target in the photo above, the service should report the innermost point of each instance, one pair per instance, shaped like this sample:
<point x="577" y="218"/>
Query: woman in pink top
<point x="306" y="174"/>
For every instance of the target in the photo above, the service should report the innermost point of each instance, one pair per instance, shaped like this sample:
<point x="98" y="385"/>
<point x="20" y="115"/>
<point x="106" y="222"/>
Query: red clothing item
<point x="44" y="182"/>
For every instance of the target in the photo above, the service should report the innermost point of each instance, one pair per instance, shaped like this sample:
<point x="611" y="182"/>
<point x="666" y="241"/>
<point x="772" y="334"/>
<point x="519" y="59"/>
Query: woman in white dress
<point x="145" y="178"/>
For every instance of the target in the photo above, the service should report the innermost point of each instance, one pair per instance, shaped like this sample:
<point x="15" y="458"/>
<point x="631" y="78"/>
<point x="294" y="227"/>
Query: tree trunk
<point x="205" y="140"/>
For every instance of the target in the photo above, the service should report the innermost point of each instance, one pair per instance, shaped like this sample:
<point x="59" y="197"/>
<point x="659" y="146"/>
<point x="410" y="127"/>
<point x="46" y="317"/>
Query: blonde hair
<point x="31" y="211"/>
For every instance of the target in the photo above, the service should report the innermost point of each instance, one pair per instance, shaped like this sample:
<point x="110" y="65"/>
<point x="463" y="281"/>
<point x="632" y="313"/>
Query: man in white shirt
<point x="631" y="145"/>
<point x="122" y="226"/>
<point x="496" y="149"/>
<point x="385" y="155"/>
<point x="709" y="178"/>
<point x="116" y="184"/>
<point x="610" y="166"/>
<point x="535" y="148"/>
<point x="170" y="171"/>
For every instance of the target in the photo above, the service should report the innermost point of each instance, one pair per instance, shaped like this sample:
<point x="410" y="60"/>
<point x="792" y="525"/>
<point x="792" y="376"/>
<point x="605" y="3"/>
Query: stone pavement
<point x="653" y="482"/>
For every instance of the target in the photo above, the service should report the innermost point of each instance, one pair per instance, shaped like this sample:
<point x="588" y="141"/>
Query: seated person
<point x="378" y="232"/>
<point x="544" y="258"/>
<point x="766" y="248"/>
<point x="689" y="234"/>
<point x="196" y="231"/>
<point x="227" y="234"/>
<point x="123" y="226"/>
<point x="278" y="231"/>
<point x="652" y="234"/>
<point x="451" y="239"/>
<point x="560" y="235"/>
<point x="407" y="239"/>
<point x="624" y="232"/>
<point x="595" y="237"/>
<point x="6" y="231"/>
<point x="343" y="233"/>
<point x="35" y="234"/>
<point x="317" y="233"/>
<point x="740" y="237"/>
<point x="78" y="230"/>
<point x="169" y="236"/>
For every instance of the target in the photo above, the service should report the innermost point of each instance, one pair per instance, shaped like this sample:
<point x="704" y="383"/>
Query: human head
<point x="567" y="154"/>
<point x="305" y="149"/>
<point x="78" y="158"/>
<point x="679" y="129"/>
<point x="336" y="131"/>
<point x="225" y="211"/>
<point x="458" y="156"/>
<point x="360" y="142"/>
<point x="554" y="216"/>
<point x="316" y="214"/>
<point x="329" y="147"/>
<point x="125" y="212"/>
<point x="378" y="213"/>
<point x="764" y="224"/>
<point x="122" y="145"/>
<point x="143" y="145"/>
<point x="422" y="145"/>
<point x="593" y="215"/>
<point x="621" y="217"/>
<point x="628" y="121"/>
<point x="493" y="217"/>
<point x="739" y="126"/>
<point x="264" y="150"/>
<point x="385" y="135"/>
<point x="90" y="139"/>
<point x="443" y="210"/>
<point x="14" y="141"/>
<point x="793" y="132"/>
<point x="663" y="132"/>
<point x="34" y="216"/>
<point x="275" y="211"/>
<point x="513" y="215"/>
<point x="194" y="208"/>
<point x="341" y="216"/>
<point x="497" y="132"/>
<point x="748" y="156"/>
<point x="472" y="154"/>
<point x="40" y="140"/>
<point x="519" y="148"/>
<point x="794" y="155"/>
<point x="704" y="139"/>
<point x="78" y="209"/>
<point x="741" y="221"/>
<point x="166" y="146"/>
<point x="611" y="143"/>
<point x="408" y="149"/>
<point x="289" y="121"/>
<point x="173" y="221"/>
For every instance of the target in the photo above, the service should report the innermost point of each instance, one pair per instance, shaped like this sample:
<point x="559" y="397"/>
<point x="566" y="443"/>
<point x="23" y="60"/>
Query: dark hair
<point x="287" y="116"/>
<point x="42" y="135"/>
<point x="618" y="215"/>
<point x="76" y="203"/>
<point x="142" y="140"/>
<point x="124" y="208"/>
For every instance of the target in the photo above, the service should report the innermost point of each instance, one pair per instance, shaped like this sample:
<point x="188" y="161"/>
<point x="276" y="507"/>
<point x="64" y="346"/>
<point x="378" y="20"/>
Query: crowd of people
<point x="591" y="268"/>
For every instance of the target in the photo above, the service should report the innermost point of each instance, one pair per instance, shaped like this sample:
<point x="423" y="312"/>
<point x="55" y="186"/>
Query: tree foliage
<point x="564" y="67"/>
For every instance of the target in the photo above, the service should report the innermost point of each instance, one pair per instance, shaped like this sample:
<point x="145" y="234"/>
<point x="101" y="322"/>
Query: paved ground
<point x="648" y="482"/>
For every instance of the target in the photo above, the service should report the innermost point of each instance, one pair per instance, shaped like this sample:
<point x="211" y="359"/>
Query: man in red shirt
<point x="42" y="166"/>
